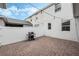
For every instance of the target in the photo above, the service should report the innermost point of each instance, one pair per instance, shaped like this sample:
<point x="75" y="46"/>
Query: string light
<point x="46" y="12"/>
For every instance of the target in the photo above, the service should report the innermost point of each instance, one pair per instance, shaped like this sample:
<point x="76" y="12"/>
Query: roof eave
<point x="40" y="10"/>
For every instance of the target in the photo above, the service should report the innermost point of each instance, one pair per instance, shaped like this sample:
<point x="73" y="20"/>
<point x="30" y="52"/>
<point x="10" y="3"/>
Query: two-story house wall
<point x="57" y="20"/>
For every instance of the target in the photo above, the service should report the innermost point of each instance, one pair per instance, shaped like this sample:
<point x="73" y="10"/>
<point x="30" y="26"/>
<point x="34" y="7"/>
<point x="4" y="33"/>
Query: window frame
<point x="49" y="26"/>
<point x="66" y="26"/>
<point x="57" y="7"/>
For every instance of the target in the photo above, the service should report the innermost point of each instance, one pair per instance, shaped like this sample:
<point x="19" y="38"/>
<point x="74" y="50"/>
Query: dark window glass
<point x="36" y="17"/>
<point x="13" y="25"/>
<point x="49" y="26"/>
<point x="31" y="20"/>
<point x="66" y="26"/>
<point x="57" y="7"/>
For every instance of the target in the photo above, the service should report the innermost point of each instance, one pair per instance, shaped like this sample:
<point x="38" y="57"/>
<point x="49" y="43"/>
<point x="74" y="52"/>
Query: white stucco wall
<point x="10" y="35"/>
<point x="66" y="13"/>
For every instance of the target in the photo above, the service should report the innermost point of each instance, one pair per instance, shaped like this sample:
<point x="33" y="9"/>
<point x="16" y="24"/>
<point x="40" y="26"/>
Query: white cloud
<point x="0" y="10"/>
<point x="13" y="8"/>
<point x="32" y="10"/>
<point x="13" y="12"/>
<point x="6" y="12"/>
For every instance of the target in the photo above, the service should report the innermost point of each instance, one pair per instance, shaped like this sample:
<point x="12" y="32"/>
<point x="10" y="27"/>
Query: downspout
<point x="76" y="29"/>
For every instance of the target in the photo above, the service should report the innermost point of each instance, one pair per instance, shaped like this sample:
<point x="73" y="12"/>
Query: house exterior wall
<point x="3" y="5"/>
<point x="66" y="13"/>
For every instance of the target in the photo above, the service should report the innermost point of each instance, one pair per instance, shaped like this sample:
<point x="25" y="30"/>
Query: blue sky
<point x="21" y="10"/>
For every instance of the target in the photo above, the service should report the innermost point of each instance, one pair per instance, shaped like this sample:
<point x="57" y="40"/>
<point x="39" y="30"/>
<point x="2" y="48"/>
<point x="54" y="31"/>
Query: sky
<point x="21" y="11"/>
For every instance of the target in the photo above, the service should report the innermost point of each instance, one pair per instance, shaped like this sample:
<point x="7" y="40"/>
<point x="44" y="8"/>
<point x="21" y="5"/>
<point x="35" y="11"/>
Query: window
<point x="41" y="11"/>
<point x="36" y="17"/>
<point x="13" y="25"/>
<point x="57" y="7"/>
<point x="49" y="26"/>
<point x="36" y="25"/>
<point x="31" y="20"/>
<point x="66" y="26"/>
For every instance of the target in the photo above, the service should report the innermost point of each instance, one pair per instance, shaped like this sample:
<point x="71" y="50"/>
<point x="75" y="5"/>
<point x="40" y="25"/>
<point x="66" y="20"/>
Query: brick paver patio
<point x="43" y="46"/>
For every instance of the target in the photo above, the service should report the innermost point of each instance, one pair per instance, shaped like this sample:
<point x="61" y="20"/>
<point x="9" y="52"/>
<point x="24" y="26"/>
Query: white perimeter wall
<point x="10" y="35"/>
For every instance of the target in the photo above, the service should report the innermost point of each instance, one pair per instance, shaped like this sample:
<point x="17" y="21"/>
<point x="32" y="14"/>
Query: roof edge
<point x="40" y="10"/>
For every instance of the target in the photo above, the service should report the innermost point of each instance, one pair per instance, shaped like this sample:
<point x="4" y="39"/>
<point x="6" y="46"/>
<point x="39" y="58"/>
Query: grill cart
<point x="31" y="36"/>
